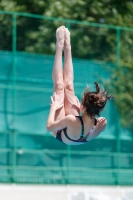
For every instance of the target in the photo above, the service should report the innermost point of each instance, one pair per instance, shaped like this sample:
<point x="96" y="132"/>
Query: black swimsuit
<point x="81" y="139"/>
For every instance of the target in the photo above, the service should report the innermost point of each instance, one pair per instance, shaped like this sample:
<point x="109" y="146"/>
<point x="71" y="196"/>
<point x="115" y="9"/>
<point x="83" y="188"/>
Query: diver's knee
<point x="59" y="87"/>
<point x="69" y="86"/>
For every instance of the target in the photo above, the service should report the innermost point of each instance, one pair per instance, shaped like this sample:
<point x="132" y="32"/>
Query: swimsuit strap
<point x="82" y="123"/>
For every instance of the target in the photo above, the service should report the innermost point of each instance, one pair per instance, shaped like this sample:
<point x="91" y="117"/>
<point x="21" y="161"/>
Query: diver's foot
<point x="60" y="37"/>
<point x="67" y="43"/>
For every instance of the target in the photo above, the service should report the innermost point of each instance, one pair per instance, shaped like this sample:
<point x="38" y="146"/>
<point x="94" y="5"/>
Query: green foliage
<point x="38" y="36"/>
<point x="121" y="84"/>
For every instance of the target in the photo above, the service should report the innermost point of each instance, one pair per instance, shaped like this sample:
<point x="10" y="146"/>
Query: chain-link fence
<point x="28" y="153"/>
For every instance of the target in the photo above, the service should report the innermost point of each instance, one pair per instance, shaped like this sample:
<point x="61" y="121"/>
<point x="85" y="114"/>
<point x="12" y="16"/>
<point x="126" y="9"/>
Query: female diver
<point x="64" y="120"/>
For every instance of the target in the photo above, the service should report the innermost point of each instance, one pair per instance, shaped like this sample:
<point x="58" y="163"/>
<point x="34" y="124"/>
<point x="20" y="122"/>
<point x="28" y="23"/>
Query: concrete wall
<point x="68" y="192"/>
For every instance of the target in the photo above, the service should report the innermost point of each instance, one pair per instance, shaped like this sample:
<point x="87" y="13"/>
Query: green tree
<point x="36" y="35"/>
<point x="121" y="84"/>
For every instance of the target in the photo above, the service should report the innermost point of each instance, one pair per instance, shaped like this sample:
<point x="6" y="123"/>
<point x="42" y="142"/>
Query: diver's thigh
<point x="71" y="103"/>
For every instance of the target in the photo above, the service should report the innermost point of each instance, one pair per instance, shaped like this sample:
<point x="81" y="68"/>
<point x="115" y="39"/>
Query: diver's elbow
<point x="49" y="128"/>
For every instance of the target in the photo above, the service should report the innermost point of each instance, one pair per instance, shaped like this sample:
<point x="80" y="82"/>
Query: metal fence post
<point x="118" y="57"/>
<point x="68" y="25"/>
<point x="118" y="140"/>
<point x="13" y="132"/>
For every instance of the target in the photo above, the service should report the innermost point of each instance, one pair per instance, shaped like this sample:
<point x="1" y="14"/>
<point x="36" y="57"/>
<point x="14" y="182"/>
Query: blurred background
<point x="102" y="46"/>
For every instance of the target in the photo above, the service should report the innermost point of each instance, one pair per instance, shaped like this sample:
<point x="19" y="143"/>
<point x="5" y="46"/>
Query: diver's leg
<point x="71" y="101"/>
<point x="57" y="73"/>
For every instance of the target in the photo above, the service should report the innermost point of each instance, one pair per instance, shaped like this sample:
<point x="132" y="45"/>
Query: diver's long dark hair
<point x="94" y="102"/>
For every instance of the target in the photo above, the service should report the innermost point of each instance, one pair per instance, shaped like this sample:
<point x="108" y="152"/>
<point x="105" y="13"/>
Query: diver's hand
<point x="56" y="103"/>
